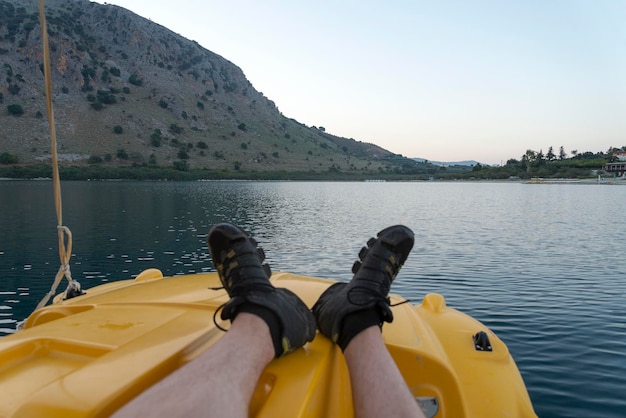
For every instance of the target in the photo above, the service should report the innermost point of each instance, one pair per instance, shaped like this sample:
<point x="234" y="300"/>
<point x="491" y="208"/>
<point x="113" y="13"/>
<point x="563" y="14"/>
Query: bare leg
<point x="351" y="314"/>
<point x="219" y="383"/>
<point x="378" y="388"/>
<point x="266" y="322"/>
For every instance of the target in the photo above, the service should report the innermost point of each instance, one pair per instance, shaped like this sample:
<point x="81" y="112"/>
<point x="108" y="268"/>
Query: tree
<point x="529" y="156"/>
<point x="155" y="140"/>
<point x="15" y="110"/>
<point x="175" y="129"/>
<point x="540" y="156"/>
<point x="562" y="153"/>
<point x="122" y="154"/>
<point x="182" y="154"/>
<point x="106" y="97"/>
<point x="6" y="158"/>
<point x="135" y="80"/>
<point x="550" y="155"/>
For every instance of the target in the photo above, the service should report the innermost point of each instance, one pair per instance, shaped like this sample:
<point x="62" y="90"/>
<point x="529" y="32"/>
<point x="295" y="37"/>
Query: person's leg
<point x="219" y="383"/>
<point x="351" y="314"/>
<point x="378" y="388"/>
<point x="267" y="322"/>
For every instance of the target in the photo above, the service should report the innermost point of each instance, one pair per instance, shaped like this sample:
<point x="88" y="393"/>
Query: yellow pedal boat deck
<point x="90" y="355"/>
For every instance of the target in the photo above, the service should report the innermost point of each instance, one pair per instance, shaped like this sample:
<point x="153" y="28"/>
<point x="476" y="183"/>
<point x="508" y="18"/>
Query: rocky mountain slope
<point x="129" y="91"/>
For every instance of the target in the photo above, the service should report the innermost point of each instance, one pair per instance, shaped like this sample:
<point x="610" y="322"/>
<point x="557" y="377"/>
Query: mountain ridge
<point x="129" y="91"/>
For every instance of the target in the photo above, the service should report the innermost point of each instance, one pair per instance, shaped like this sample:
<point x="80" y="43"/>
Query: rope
<point x="53" y="136"/>
<point x="65" y="253"/>
<point x="64" y="233"/>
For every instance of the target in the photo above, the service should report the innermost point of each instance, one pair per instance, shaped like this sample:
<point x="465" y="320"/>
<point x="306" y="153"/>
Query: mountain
<point x="129" y="91"/>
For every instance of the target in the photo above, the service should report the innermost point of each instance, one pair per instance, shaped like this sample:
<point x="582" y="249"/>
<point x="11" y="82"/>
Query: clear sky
<point x="442" y="80"/>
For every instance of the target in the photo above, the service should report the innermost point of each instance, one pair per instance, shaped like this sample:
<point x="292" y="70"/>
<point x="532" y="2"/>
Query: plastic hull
<point x="90" y="355"/>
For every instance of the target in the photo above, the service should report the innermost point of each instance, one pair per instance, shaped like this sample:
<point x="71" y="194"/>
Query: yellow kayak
<point x="90" y="355"/>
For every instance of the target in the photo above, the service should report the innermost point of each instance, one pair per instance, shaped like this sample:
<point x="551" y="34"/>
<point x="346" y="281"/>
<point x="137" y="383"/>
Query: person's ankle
<point x="367" y="337"/>
<point x="354" y="323"/>
<point x="271" y="320"/>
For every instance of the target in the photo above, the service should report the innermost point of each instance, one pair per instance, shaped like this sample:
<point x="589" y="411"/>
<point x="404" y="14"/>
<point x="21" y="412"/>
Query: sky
<point x="441" y="80"/>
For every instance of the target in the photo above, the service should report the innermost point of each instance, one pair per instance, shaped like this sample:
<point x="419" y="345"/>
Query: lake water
<point x="544" y="266"/>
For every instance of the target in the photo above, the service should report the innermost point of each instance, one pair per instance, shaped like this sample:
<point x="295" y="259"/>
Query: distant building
<point x="615" y="168"/>
<point x="621" y="155"/>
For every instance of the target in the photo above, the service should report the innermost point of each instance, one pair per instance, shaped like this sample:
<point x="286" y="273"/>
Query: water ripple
<point x="534" y="264"/>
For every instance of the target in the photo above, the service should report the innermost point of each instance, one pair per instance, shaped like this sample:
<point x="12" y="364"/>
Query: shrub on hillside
<point x="6" y="158"/>
<point x="155" y="140"/>
<point x="106" y="97"/>
<point x="15" y="110"/>
<point x="135" y="80"/>
<point x="175" y="129"/>
<point x="182" y="154"/>
<point x="122" y="154"/>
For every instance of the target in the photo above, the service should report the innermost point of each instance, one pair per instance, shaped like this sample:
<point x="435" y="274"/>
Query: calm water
<point x="544" y="266"/>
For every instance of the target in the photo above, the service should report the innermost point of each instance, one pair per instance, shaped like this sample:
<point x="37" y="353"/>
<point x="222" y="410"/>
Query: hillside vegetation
<point x="537" y="164"/>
